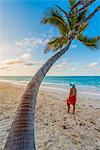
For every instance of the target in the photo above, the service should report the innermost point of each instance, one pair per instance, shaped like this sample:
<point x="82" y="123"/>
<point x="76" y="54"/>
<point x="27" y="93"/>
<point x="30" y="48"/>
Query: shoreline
<point x="54" y="128"/>
<point x="83" y="91"/>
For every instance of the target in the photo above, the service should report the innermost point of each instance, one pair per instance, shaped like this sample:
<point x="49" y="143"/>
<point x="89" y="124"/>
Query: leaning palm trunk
<point x="21" y="134"/>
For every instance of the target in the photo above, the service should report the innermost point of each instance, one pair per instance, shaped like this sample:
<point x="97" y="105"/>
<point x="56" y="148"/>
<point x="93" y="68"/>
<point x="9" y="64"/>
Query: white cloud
<point x="66" y="68"/>
<point x="34" y="63"/>
<point x="19" y="67"/>
<point x="18" y="60"/>
<point x="73" y="46"/>
<point x="4" y="67"/>
<point x="32" y="42"/>
<point x="19" y="47"/>
<point x="26" y="56"/>
<point x="74" y="69"/>
<point x="13" y="61"/>
<point x="17" y="56"/>
<point x="93" y="64"/>
<point x="9" y="50"/>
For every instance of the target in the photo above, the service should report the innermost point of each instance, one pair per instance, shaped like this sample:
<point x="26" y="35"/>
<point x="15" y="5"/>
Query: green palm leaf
<point x="85" y="5"/>
<point x="53" y="17"/>
<point x="75" y="6"/>
<point x="72" y="2"/>
<point x="73" y="18"/>
<point x="62" y="11"/>
<point x="56" y="43"/>
<point x="88" y="17"/>
<point x="82" y="27"/>
<point x="66" y="14"/>
<point x="81" y="15"/>
<point x="71" y="25"/>
<point x="89" y="42"/>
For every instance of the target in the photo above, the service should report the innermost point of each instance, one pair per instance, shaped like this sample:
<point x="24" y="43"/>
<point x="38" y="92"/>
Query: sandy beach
<point x="55" y="128"/>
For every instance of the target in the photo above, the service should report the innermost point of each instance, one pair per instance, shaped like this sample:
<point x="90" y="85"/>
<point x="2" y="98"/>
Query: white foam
<point x="90" y="92"/>
<point x="81" y="92"/>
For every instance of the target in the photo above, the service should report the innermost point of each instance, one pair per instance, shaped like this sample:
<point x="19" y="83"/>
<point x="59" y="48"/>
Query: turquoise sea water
<point x="93" y="81"/>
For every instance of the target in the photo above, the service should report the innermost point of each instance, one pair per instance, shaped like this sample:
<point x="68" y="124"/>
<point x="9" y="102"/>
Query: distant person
<point x="72" y="98"/>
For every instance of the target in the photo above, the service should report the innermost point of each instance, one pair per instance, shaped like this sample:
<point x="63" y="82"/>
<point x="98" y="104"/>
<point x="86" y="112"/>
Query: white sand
<point x="55" y="128"/>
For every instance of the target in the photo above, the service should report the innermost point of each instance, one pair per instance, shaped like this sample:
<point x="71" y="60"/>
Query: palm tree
<point x="81" y="2"/>
<point x="21" y="134"/>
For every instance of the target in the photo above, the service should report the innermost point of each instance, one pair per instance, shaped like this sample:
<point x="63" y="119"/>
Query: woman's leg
<point x="73" y="109"/>
<point x="68" y="108"/>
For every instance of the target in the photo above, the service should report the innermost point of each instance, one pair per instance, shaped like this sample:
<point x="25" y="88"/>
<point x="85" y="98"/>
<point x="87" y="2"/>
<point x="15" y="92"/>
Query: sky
<point x="23" y="39"/>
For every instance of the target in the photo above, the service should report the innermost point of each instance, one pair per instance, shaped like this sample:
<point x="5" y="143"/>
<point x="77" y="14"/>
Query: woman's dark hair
<point x="73" y="86"/>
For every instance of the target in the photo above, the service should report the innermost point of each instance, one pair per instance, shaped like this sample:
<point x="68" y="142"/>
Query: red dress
<point x="72" y="98"/>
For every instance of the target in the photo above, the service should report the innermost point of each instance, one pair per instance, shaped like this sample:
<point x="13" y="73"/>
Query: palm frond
<point x="56" y="43"/>
<point x="85" y="5"/>
<point x="75" y="6"/>
<point x="73" y="17"/>
<point x="82" y="27"/>
<point x="54" y="17"/>
<point x="62" y="10"/>
<point x="72" y="2"/>
<point x="65" y="13"/>
<point x="73" y="26"/>
<point x="73" y="22"/>
<point x="91" y="43"/>
<point x="81" y="15"/>
<point x="88" y="17"/>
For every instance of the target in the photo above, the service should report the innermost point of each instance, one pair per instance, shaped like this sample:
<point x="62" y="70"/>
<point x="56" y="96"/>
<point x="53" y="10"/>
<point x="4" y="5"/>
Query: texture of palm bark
<point x="21" y="135"/>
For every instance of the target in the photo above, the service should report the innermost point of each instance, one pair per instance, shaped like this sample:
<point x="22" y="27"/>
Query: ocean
<point x="87" y="86"/>
<point x="83" y="81"/>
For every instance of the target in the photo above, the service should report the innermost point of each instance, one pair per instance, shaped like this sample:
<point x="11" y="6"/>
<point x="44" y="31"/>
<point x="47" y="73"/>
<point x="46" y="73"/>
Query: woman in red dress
<point x="72" y="98"/>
